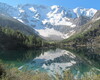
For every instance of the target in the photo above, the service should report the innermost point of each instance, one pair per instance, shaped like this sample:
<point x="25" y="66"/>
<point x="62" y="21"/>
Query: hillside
<point x="6" y="21"/>
<point x="13" y="39"/>
<point x="89" y="35"/>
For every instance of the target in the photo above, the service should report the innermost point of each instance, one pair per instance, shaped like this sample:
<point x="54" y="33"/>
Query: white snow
<point x="58" y="20"/>
<point x="47" y="32"/>
<point x="15" y="17"/>
<point x="40" y="17"/>
<point x="21" y="10"/>
<point x="85" y="12"/>
<point x="32" y="9"/>
<point x="20" y="20"/>
<point x="91" y="12"/>
<point x="54" y="7"/>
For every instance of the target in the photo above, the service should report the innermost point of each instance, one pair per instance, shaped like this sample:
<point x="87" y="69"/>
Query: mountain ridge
<point x="88" y="35"/>
<point x="10" y="22"/>
<point x="50" y="21"/>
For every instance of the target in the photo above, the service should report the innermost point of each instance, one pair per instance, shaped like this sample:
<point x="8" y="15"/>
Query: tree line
<point x="13" y="39"/>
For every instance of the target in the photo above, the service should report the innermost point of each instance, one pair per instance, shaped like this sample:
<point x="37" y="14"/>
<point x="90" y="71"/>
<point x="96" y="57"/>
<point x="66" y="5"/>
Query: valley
<point x="54" y="23"/>
<point x="39" y="42"/>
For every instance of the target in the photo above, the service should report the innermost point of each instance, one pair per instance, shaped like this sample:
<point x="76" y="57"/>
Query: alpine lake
<point x="79" y="61"/>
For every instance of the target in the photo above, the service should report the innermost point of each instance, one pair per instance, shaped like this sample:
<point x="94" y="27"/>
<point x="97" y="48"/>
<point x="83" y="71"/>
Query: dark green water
<point x="78" y="60"/>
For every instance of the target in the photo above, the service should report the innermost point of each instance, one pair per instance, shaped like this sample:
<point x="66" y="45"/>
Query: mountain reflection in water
<point x="59" y="60"/>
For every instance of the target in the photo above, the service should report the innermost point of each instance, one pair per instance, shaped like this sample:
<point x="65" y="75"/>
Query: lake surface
<point x="52" y="61"/>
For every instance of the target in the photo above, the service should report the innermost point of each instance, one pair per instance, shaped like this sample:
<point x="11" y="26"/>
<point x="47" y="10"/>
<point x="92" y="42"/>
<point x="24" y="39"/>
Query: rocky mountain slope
<point x="88" y="35"/>
<point x="51" y="22"/>
<point x="6" y="21"/>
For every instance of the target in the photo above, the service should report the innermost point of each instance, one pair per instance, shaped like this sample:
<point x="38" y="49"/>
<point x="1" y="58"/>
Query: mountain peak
<point x="84" y="12"/>
<point x="54" y="20"/>
<point x="55" y="6"/>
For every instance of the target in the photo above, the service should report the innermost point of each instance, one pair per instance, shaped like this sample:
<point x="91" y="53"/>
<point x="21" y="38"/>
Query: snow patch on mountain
<point x="32" y="9"/>
<point x="21" y="11"/>
<point x="47" y="32"/>
<point x="85" y="12"/>
<point x="47" y="20"/>
<point x="58" y="16"/>
<point x="19" y="20"/>
<point x="50" y="32"/>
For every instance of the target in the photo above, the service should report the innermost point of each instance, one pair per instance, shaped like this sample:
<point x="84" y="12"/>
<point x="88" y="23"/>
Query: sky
<point x="65" y="3"/>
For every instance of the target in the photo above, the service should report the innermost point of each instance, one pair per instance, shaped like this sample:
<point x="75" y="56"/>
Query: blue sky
<point x="66" y="3"/>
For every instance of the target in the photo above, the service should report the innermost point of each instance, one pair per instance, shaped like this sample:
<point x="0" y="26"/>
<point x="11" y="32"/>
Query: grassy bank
<point x="15" y="74"/>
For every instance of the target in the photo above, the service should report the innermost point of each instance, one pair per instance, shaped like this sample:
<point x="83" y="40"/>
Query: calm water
<point x="78" y="60"/>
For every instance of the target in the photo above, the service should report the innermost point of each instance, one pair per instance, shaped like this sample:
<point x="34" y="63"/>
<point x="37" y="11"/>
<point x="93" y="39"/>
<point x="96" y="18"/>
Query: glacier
<point x="50" y="22"/>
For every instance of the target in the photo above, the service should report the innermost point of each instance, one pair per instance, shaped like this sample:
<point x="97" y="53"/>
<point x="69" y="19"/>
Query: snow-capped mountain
<point x="53" y="23"/>
<point x="8" y="10"/>
<point x="85" y="12"/>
